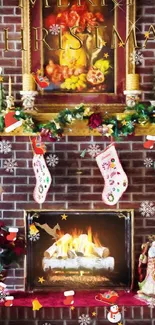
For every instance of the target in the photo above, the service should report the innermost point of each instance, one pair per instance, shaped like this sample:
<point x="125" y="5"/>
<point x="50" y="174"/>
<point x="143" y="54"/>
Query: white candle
<point x="10" y="86"/>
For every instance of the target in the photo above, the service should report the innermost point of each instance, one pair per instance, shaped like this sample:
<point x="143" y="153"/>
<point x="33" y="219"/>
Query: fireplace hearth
<point x="79" y="249"/>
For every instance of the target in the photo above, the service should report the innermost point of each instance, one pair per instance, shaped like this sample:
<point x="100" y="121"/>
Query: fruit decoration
<point x="77" y="54"/>
<point x="95" y="76"/>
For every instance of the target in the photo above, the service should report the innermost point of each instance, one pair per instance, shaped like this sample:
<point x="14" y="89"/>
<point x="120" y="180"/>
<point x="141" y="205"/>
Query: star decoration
<point x="121" y="44"/>
<point x="120" y="323"/>
<point x="124" y="122"/>
<point x="72" y="308"/>
<point x="93" y="313"/>
<point x="147" y="35"/>
<point x="64" y="216"/>
<point x="106" y="55"/>
<point x="41" y="280"/>
<point x="104" y="43"/>
<point x="1" y="79"/>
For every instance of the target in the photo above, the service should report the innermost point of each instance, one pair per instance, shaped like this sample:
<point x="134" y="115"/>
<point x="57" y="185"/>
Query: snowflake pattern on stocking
<point x="94" y="150"/>
<point x="147" y="209"/>
<point x="84" y="319"/>
<point x="5" y="146"/>
<point x="10" y="165"/>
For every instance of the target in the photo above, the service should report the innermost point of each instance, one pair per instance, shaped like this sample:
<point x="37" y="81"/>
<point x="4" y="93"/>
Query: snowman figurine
<point x="114" y="316"/>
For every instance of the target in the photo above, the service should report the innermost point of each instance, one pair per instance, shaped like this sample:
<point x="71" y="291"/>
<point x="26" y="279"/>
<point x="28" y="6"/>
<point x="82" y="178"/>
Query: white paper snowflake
<point x="54" y="29"/>
<point x="34" y="237"/>
<point x="10" y="165"/>
<point x="94" y="150"/>
<point x="84" y="319"/>
<point x="147" y="209"/>
<point x="148" y="162"/>
<point x="136" y="57"/>
<point x="52" y="160"/>
<point x="5" y="146"/>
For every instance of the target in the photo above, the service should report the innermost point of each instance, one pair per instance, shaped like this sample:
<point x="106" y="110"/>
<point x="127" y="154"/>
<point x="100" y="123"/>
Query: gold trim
<point x="131" y="211"/>
<point x="26" y="55"/>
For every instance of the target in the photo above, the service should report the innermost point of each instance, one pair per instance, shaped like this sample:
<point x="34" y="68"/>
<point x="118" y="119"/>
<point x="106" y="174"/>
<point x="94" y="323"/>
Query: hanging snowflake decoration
<point x="47" y="324"/>
<point x="34" y="237"/>
<point x="54" y="29"/>
<point x="5" y="146"/>
<point x="84" y="319"/>
<point x="94" y="150"/>
<point x="52" y="160"/>
<point x="136" y="57"/>
<point x="10" y="165"/>
<point x="148" y="162"/>
<point x="147" y="209"/>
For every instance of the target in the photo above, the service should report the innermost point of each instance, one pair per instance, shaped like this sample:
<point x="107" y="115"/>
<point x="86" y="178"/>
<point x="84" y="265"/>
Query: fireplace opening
<point x="79" y="249"/>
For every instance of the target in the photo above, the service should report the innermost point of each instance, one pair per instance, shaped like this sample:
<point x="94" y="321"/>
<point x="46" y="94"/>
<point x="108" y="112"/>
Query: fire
<point x="77" y="241"/>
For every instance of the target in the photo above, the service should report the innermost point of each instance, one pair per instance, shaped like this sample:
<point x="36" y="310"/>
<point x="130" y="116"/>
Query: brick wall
<point x="70" y="189"/>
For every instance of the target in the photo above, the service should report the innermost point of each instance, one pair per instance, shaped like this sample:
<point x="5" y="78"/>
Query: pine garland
<point x="108" y="126"/>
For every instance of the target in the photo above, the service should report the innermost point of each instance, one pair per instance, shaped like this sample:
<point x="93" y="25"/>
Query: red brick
<point x="65" y="197"/>
<point x="79" y="139"/>
<point x="78" y="188"/>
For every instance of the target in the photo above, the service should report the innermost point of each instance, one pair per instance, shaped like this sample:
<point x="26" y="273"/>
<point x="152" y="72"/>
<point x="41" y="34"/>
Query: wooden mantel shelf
<point x="79" y="128"/>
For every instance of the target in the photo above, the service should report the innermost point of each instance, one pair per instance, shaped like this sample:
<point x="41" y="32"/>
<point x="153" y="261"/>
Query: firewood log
<point x="100" y="251"/>
<point x="65" y="240"/>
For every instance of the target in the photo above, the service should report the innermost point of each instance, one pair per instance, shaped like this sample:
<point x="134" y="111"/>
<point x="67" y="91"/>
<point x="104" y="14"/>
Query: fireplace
<point x="79" y="249"/>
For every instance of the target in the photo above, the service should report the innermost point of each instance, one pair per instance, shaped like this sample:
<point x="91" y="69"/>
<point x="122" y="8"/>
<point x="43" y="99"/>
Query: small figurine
<point x="147" y="287"/>
<point x="10" y="102"/>
<point x="114" y="316"/>
<point x="143" y="261"/>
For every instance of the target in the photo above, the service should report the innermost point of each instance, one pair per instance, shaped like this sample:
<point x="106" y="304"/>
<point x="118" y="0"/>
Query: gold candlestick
<point x="28" y="82"/>
<point x="10" y="86"/>
<point x="132" y="82"/>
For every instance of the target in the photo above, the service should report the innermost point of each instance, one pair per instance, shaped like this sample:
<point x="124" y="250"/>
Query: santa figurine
<point x="114" y="316"/>
<point x="147" y="287"/>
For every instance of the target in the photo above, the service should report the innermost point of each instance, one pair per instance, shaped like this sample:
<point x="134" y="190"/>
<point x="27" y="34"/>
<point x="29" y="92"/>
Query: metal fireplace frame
<point x="128" y="214"/>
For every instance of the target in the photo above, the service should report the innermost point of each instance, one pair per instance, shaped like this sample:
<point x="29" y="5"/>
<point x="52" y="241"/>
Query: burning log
<point x="78" y="263"/>
<point x="50" y="251"/>
<point x="63" y="241"/>
<point x="71" y="253"/>
<point x="100" y="251"/>
<point x="61" y="251"/>
<point x="82" y="244"/>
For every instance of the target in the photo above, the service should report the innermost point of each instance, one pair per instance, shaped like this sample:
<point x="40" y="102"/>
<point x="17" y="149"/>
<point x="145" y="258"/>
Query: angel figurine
<point x="147" y="287"/>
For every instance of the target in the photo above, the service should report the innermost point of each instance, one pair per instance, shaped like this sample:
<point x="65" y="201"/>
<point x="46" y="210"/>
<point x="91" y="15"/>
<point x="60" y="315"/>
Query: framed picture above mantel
<point x="80" y="50"/>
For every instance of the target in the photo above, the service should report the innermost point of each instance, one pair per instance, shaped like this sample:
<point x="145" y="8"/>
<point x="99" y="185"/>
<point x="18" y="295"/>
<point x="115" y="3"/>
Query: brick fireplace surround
<point x="69" y="189"/>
